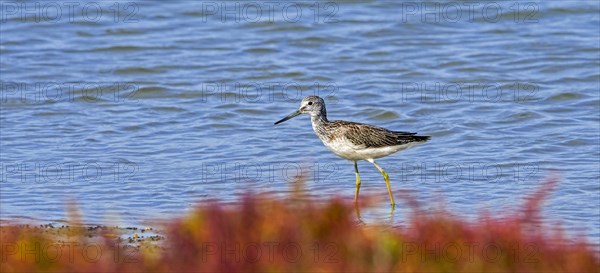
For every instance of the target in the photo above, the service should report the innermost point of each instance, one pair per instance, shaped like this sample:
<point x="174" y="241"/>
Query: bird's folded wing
<point x="368" y="136"/>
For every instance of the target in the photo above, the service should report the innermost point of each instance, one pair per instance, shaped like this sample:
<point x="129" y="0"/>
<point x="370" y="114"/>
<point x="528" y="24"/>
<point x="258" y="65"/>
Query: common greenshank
<point x="355" y="141"/>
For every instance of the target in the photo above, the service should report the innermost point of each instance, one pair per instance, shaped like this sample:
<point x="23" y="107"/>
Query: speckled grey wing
<point x="368" y="136"/>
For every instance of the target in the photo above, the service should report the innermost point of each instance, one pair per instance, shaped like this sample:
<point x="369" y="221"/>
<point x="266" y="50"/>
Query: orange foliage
<point x="270" y="235"/>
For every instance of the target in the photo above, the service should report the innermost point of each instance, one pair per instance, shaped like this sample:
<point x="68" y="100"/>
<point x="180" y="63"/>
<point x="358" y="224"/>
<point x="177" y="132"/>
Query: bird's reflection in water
<point x="362" y="222"/>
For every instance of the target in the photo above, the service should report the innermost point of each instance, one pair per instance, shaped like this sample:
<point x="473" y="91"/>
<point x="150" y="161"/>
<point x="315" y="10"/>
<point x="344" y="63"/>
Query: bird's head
<point x="312" y="105"/>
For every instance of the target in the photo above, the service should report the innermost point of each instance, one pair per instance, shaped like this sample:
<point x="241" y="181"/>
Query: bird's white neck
<point x="318" y="119"/>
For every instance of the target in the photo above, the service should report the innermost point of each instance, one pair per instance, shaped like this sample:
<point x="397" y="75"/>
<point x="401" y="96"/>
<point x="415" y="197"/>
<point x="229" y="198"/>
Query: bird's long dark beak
<point x="297" y="112"/>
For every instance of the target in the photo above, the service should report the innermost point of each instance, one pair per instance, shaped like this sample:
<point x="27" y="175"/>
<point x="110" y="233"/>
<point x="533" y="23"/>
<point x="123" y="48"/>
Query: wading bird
<point x="355" y="141"/>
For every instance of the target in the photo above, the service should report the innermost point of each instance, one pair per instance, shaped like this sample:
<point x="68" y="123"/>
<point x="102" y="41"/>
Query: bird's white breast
<point x="342" y="147"/>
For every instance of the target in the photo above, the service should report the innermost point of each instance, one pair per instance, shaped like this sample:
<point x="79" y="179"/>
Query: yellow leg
<point x="357" y="207"/>
<point x="357" y="182"/>
<point x="387" y="181"/>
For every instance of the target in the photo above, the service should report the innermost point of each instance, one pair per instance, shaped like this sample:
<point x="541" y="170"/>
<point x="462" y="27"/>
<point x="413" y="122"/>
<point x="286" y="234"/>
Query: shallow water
<point x="142" y="113"/>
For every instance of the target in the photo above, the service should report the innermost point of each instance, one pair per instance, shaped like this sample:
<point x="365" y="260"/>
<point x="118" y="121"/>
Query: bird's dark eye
<point x="310" y="103"/>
